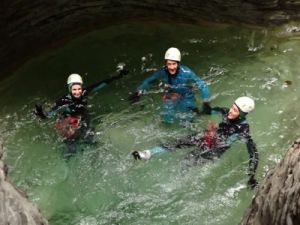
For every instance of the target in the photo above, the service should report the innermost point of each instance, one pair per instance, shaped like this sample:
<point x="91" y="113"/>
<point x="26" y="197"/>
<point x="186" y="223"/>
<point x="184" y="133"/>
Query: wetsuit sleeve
<point x="220" y="110"/>
<point x="253" y="155"/>
<point x="95" y="87"/>
<point x="252" y="151"/>
<point x="101" y="84"/>
<point x="59" y="106"/>
<point x="201" y="85"/>
<point x="146" y="83"/>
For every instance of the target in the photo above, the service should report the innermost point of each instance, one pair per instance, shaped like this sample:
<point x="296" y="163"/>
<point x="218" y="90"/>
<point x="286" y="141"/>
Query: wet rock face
<point x="277" y="200"/>
<point x="15" y="208"/>
<point x="27" y="27"/>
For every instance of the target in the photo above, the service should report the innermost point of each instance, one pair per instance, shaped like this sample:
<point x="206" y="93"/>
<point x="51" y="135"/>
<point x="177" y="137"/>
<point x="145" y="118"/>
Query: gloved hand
<point x="252" y="182"/>
<point x="135" y="97"/>
<point x="39" y="111"/>
<point x="206" y="109"/>
<point x="136" y="155"/>
<point x="123" y="72"/>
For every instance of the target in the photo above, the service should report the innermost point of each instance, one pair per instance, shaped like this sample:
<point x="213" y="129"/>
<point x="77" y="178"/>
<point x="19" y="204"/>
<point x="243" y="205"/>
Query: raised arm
<point x="148" y="81"/>
<point x="60" y="105"/>
<point x="135" y="96"/>
<point x="116" y="76"/>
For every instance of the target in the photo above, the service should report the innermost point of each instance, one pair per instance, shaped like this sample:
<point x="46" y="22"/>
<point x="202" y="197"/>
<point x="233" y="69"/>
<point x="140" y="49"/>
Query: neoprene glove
<point x="39" y="111"/>
<point x="124" y="72"/>
<point x="206" y="109"/>
<point x="252" y="182"/>
<point x="136" y="155"/>
<point x="135" y="97"/>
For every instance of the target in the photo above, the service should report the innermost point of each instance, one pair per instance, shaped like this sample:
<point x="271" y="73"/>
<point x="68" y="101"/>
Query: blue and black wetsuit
<point x="227" y="133"/>
<point x="179" y="94"/>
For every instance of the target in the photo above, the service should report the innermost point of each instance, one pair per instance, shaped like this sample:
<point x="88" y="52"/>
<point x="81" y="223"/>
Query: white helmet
<point x="173" y="54"/>
<point x="74" y="78"/>
<point x="245" y="104"/>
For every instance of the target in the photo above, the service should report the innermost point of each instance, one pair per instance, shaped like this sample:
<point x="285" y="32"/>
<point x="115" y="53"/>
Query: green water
<point x="103" y="184"/>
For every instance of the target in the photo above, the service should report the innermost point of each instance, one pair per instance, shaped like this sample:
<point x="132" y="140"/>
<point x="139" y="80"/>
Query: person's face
<point x="172" y="66"/>
<point x="234" y="112"/>
<point x="76" y="90"/>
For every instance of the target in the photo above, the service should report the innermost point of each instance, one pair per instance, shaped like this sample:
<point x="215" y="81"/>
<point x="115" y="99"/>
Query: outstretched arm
<point x="134" y="97"/>
<point x="148" y="81"/>
<point x="253" y="159"/>
<point x="202" y="86"/>
<point x="45" y="115"/>
<point x="253" y="156"/>
<point x="116" y="76"/>
<point x="60" y="105"/>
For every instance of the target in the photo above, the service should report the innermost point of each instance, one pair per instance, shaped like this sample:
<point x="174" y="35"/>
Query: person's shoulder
<point x="245" y="125"/>
<point x="185" y="68"/>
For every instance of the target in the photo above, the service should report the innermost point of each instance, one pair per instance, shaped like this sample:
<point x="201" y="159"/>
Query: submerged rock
<point x="277" y="199"/>
<point x="15" y="208"/>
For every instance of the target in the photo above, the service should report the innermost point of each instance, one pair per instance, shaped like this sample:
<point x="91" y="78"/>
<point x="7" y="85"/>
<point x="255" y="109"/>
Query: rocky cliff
<point x="277" y="201"/>
<point x="15" y="208"/>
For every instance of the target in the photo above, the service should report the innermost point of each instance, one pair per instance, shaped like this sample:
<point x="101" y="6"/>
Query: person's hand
<point x="135" y="97"/>
<point x="123" y="72"/>
<point x="136" y="155"/>
<point x="252" y="182"/>
<point x="206" y="109"/>
<point x="39" y="111"/>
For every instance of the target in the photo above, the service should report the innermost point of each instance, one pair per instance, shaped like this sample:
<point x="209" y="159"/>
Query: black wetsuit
<point x="69" y="106"/>
<point x="76" y="108"/>
<point x="226" y="134"/>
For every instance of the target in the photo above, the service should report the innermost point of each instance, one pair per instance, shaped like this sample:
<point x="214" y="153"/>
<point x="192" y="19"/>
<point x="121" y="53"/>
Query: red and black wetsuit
<point x="208" y="148"/>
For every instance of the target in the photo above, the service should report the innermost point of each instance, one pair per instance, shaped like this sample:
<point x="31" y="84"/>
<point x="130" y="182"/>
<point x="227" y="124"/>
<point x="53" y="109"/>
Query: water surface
<point x="103" y="184"/>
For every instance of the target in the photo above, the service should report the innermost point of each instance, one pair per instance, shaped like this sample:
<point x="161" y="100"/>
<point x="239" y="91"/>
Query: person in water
<point x="213" y="142"/>
<point x="179" y="95"/>
<point x="73" y="121"/>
